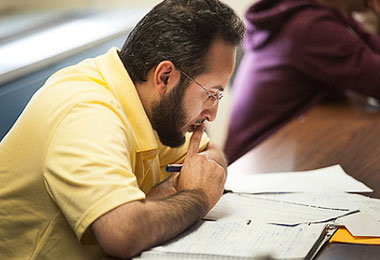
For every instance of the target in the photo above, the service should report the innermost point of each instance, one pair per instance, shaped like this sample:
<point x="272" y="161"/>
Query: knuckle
<point x="203" y="158"/>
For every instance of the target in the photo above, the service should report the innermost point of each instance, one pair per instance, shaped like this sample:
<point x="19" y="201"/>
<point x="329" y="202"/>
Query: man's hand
<point x="201" y="173"/>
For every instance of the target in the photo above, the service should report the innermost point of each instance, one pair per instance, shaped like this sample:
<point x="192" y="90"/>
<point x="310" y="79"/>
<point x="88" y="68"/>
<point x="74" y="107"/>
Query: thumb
<point x="175" y="177"/>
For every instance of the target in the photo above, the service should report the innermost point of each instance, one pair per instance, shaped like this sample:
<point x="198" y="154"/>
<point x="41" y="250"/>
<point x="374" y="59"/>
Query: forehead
<point x="220" y="61"/>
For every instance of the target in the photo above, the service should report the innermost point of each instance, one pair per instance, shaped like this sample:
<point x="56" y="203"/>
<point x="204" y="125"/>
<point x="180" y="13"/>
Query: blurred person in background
<point x="299" y="53"/>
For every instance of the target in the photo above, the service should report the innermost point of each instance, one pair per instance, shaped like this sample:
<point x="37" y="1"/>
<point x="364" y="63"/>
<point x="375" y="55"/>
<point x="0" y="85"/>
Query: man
<point x="298" y="53"/>
<point x="82" y="170"/>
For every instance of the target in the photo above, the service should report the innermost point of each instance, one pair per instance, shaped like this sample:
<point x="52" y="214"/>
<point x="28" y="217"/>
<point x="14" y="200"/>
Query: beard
<point x="169" y="117"/>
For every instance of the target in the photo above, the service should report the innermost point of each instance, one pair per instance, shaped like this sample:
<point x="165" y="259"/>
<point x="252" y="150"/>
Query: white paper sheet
<point x="234" y="239"/>
<point x="367" y="222"/>
<point x="371" y="206"/>
<point x="276" y="209"/>
<point x="340" y="200"/>
<point x="327" y="179"/>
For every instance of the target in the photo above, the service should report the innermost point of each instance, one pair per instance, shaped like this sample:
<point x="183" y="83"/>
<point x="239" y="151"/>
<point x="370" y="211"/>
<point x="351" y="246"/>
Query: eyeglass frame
<point x="216" y="96"/>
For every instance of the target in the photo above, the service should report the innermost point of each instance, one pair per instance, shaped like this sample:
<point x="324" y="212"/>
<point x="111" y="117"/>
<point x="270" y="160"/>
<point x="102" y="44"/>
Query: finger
<point x="195" y="141"/>
<point x="175" y="177"/>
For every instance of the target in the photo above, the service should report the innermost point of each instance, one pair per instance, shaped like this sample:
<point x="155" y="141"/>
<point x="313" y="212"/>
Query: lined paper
<point x="236" y="240"/>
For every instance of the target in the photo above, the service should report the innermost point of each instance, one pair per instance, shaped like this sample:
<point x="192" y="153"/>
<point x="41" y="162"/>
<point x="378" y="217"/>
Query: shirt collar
<point x="124" y="90"/>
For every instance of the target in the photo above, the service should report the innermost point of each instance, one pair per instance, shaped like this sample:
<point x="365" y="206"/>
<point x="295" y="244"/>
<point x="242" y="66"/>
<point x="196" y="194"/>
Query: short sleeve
<point x="88" y="165"/>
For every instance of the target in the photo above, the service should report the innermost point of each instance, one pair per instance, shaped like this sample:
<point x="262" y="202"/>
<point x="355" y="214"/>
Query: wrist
<point x="164" y="189"/>
<point x="201" y="200"/>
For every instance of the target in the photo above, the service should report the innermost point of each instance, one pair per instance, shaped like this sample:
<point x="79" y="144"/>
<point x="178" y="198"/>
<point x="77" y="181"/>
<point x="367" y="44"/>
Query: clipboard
<point x="327" y="233"/>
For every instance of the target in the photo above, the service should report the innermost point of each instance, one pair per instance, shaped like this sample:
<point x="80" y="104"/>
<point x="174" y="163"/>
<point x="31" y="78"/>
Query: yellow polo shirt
<point x="82" y="147"/>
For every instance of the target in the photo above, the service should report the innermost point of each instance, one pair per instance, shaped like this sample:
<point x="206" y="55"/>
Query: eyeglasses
<point x="215" y="97"/>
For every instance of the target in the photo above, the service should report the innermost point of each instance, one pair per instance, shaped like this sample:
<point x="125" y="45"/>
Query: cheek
<point x="193" y="108"/>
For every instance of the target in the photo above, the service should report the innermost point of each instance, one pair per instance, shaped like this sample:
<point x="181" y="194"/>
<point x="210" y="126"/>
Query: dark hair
<point x="180" y="31"/>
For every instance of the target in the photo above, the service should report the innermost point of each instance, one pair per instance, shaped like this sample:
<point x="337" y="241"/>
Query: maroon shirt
<point x="297" y="54"/>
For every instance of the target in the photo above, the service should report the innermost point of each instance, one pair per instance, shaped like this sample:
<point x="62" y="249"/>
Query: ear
<point x="165" y="76"/>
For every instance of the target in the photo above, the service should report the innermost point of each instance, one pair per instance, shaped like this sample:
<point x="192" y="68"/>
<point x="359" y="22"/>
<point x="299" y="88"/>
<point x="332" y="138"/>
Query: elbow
<point x="124" y="247"/>
<point x="125" y="250"/>
<point x="117" y="241"/>
<point x="120" y="236"/>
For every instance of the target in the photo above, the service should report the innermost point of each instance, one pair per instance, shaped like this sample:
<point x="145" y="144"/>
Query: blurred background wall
<point x="12" y="6"/>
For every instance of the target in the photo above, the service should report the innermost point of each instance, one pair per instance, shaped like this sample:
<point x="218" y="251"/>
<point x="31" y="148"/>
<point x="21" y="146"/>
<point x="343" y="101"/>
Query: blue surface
<point x="16" y="94"/>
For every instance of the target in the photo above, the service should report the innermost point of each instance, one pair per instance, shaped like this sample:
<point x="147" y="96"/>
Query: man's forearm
<point x="135" y="226"/>
<point x="163" y="189"/>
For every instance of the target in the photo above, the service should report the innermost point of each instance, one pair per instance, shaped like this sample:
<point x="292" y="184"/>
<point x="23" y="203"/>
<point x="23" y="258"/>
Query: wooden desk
<point x="339" y="133"/>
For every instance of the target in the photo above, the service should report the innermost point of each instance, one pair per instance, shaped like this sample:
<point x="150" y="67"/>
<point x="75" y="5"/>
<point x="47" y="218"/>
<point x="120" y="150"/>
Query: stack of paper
<point x="234" y="240"/>
<point x="324" y="191"/>
<point x="284" y="215"/>
<point x="362" y="227"/>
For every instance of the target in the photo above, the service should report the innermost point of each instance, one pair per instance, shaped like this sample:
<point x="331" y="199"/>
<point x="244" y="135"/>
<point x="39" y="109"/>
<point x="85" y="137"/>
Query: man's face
<point x="184" y="109"/>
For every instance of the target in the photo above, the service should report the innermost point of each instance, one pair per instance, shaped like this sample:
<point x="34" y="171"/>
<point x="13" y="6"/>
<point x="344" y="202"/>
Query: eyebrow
<point x="219" y="87"/>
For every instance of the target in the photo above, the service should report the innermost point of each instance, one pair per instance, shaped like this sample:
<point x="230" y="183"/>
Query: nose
<point x="211" y="112"/>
